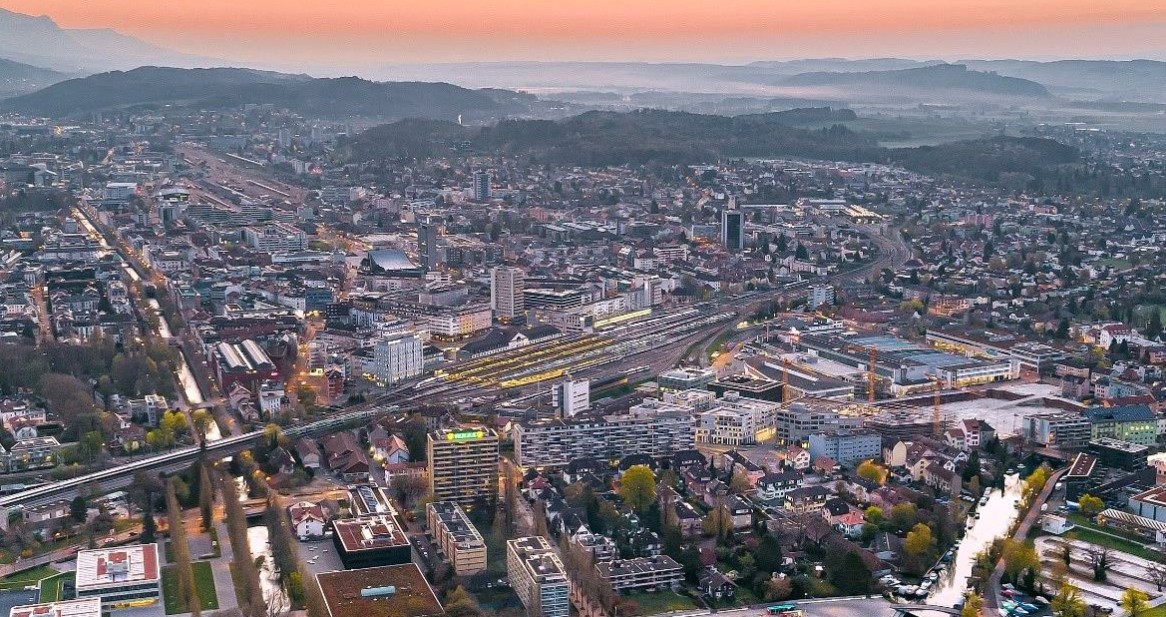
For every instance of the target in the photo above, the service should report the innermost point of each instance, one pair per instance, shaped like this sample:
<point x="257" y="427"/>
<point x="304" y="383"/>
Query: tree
<point x="459" y="603"/>
<point x="1156" y="573"/>
<point x="1090" y="506"/>
<point x="637" y="487"/>
<point x="1018" y="556"/>
<point x="873" y="472"/>
<point x="972" y="605"/>
<point x="1135" y="602"/>
<point x="874" y="515"/>
<point x="739" y="482"/>
<point x="1068" y="602"/>
<point x="777" y="589"/>
<point x="202" y="420"/>
<point x="918" y="540"/>
<point x="180" y="550"/>
<point x="79" y="509"/>
<point x="1154" y="328"/>
<point x="206" y="496"/>
<point x="903" y="516"/>
<point x="1099" y="561"/>
<point x="149" y="527"/>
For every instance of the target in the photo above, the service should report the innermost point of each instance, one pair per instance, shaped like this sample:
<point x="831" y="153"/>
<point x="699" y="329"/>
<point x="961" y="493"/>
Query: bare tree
<point x="1156" y="573"/>
<point x="277" y="602"/>
<point x="1100" y="561"/>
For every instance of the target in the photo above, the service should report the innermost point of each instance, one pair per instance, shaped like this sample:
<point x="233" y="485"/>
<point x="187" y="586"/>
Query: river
<point x="996" y="518"/>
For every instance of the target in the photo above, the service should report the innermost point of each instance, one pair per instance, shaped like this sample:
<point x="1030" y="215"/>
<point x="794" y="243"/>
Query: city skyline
<point x="272" y="33"/>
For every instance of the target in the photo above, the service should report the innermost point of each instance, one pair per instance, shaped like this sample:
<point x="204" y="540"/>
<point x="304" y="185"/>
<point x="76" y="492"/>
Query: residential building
<point x="482" y="186"/>
<point x="819" y="295"/>
<point x="658" y="572"/>
<point x="733" y="229"/>
<point x="275" y="237"/>
<point x="538" y="577"/>
<point x="307" y="520"/>
<point x="651" y="428"/>
<point x="736" y="421"/>
<point x="463" y="465"/>
<point x="456" y="537"/>
<point x="427" y="245"/>
<point x="848" y="447"/>
<point x="796" y="421"/>
<point x="685" y="379"/>
<point x="571" y="396"/>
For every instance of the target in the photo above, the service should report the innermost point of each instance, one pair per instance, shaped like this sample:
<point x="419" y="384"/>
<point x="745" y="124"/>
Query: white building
<point x="571" y="396"/>
<point x="395" y="358"/>
<point x="736" y="421"/>
<point x="90" y="607"/>
<point x="275" y="237"/>
<point x="506" y="297"/>
<point x="818" y="295"/>
<point x="538" y="577"/>
<point x="119" y="575"/>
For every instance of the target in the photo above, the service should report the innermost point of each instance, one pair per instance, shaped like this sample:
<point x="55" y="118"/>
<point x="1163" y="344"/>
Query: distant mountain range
<point x="17" y="78"/>
<point x="230" y="87"/>
<point x="39" y="41"/>
<point x="933" y="78"/>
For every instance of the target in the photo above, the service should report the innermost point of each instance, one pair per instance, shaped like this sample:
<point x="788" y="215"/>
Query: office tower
<point x="427" y="244"/>
<point x="506" y="296"/>
<point x="481" y="186"/>
<point x="463" y="465"/>
<point x="733" y="228"/>
<point x="537" y="577"/>
<point x="396" y="358"/>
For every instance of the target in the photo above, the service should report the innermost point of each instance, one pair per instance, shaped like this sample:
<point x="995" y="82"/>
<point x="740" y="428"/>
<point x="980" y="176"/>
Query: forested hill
<point x="653" y="136"/>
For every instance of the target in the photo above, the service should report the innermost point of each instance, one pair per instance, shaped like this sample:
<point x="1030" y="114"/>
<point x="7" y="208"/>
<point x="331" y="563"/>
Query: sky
<point x="357" y="32"/>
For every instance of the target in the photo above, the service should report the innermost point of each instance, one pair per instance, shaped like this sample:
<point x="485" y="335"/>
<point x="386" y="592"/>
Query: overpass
<point x="176" y="460"/>
<point x="903" y="609"/>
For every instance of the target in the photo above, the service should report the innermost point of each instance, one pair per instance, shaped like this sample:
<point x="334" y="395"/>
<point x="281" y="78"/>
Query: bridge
<point x="903" y="609"/>
<point x="177" y="459"/>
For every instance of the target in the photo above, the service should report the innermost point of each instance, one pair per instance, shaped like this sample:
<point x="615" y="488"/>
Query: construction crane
<point x="872" y="378"/>
<point x="785" y="380"/>
<point x="936" y="415"/>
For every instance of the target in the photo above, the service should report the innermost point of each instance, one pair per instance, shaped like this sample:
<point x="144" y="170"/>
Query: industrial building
<point x="119" y="575"/>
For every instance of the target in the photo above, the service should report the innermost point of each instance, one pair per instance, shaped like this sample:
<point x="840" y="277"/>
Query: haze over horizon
<point x="275" y="34"/>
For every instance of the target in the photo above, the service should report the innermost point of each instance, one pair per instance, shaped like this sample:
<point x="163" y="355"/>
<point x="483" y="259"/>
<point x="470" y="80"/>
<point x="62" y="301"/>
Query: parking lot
<point x="320" y="556"/>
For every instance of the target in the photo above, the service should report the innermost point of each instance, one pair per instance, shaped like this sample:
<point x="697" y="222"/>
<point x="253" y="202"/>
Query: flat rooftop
<point x="87" y="607"/>
<point x="1155" y="496"/>
<point x="369" y="533"/>
<point x="411" y="597"/>
<point x="104" y="567"/>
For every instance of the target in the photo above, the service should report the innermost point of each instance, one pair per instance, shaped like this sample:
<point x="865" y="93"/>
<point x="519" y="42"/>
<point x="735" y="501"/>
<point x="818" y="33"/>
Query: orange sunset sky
<point x="360" y="31"/>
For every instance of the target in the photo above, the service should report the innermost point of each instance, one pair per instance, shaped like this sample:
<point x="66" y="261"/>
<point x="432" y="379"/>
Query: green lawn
<point x="652" y="603"/>
<point x="1088" y="534"/>
<point x="51" y="587"/>
<point x="204" y="582"/>
<point x="26" y="578"/>
<point x="1157" y="611"/>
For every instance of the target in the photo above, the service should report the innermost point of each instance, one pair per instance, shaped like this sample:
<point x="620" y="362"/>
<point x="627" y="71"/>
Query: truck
<point x="1044" y="507"/>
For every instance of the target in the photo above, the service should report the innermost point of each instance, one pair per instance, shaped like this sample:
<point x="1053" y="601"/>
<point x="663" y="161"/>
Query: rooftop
<point x="413" y="597"/>
<point x="124" y="564"/>
<point x="371" y="533"/>
<point x="87" y="607"/>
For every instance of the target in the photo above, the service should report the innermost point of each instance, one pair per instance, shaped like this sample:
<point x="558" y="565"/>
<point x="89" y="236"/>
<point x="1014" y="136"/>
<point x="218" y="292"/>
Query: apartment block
<point x="463" y="465"/>
<point x="538" y="577"/>
<point x="457" y="537"/>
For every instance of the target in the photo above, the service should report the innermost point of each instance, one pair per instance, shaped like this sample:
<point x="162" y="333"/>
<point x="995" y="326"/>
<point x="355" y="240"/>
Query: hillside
<point x="1114" y="80"/>
<point x="610" y="138"/>
<point x="636" y="138"/>
<point x="229" y="87"/>
<point x="17" y="78"/>
<point x="936" y="77"/>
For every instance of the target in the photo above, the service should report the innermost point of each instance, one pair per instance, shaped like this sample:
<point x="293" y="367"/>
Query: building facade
<point x="463" y="465"/>
<point x="538" y="577"/>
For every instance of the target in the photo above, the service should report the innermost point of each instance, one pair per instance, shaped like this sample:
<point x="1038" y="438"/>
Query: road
<point x="992" y="593"/>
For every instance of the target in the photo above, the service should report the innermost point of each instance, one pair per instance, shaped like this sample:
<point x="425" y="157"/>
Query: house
<point x="825" y="465"/>
<point x="955" y="438"/>
<point x="345" y="457"/>
<point x="307" y="520"/>
<point x="714" y="585"/>
<point x="739" y="512"/>
<point x="942" y="479"/>
<point x="309" y="452"/>
<point x="887" y="546"/>
<point x="715" y="492"/>
<point x="806" y="499"/>
<point x="685" y="459"/>
<point x="1056" y="525"/>
<point x="736" y="462"/>
<point x="390" y="450"/>
<point x="687" y="519"/>
<point x="774" y="486"/>
<point x="796" y="457"/>
<point x="695" y="479"/>
<point x="850" y="524"/>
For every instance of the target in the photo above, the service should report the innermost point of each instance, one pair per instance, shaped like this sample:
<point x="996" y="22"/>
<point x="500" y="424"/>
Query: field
<point x="26" y="578"/>
<point x="204" y="582"/>
<point x="51" y="587"/>
<point x="1087" y="531"/>
<point x="653" y="603"/>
